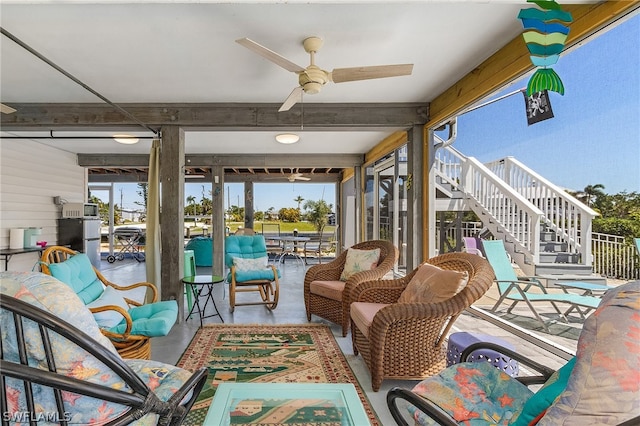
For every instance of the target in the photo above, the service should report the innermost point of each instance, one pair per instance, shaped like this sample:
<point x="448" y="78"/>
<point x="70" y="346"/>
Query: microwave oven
<point x="75" y="210"/>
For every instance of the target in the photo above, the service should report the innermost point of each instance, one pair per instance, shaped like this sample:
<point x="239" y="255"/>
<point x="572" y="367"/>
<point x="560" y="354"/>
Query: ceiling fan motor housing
<point x="312" y="79"/>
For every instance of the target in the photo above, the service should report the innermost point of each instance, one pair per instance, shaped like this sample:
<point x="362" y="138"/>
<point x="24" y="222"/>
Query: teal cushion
<point x="544" y="397"/>
<point x="244" y="246"/>
<point x="260" y="274"/>
<point x="152" y="319"/>
<point x="78" y="273"/>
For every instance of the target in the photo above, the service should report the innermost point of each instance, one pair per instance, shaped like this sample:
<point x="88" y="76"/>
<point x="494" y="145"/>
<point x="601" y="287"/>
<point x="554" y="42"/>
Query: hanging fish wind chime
<point x="545" y="36"/>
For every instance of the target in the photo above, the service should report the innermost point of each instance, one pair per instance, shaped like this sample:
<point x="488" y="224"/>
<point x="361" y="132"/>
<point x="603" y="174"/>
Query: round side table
<point x="202" y="285"/>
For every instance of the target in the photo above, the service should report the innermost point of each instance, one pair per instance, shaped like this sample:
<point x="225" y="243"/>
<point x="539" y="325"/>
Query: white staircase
<point x="546" y="231"/>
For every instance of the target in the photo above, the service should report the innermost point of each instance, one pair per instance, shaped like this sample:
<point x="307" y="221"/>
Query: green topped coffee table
<point x="331" y="404"/>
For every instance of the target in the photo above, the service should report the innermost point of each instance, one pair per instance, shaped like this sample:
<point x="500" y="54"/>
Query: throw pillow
<point x="542" y="400"/>
<point x="359" y="260"/>
<point x="108" y="319"/>
<point x="432" y="284"/>
<point x="246" y="265"/>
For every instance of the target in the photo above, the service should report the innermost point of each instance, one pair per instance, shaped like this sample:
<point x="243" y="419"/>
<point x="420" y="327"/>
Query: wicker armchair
<point x="336" y="309"/>
<point x="157" y="318"/>
<point x="407" y="340"/>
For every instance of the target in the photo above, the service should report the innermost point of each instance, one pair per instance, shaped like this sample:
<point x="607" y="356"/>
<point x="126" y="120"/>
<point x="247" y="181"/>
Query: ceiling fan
<point x="6" y="109"/>
<point x="312" y="78"/>
<point x="294" y="176"/>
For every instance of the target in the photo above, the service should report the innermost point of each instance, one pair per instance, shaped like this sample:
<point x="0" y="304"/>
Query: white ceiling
<point x="184" y="52"/>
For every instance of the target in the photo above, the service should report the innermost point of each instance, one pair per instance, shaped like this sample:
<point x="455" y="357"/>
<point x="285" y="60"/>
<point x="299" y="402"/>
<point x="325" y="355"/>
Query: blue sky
<point x="594" y="137"/>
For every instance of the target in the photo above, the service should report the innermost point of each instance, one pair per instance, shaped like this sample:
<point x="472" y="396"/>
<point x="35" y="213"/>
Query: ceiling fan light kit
<point x="287" y="138"/>
<point x="312" y="78"/>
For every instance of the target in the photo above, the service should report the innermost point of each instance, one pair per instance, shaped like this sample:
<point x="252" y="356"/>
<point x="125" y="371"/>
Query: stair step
<point x="547" y="236"/>
<point x="552" y="246"/>
<point x="562" y="269"/>
<point x="559" y="257"/>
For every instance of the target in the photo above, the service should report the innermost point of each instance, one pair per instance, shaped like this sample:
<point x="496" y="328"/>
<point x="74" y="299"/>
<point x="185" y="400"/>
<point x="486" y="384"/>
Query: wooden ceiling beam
<point x="213" y="116"/>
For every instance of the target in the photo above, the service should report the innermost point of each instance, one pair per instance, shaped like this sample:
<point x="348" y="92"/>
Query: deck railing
<point x="569" y="218"/>
<point x="615" y="257"/>
<point x="487" y="194"/>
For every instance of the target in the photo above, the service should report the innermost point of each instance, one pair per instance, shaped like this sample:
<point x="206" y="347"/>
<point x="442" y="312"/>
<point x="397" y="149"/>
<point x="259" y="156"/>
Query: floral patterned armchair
<point x="57" y="365"/>
<point x="599" y="386"/>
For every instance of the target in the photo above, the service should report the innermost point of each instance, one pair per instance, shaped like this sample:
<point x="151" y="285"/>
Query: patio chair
<point x="328" y="287"/>
<point x="247" y="260"/>
<point x="121" y="311"/>
<point x="55" y="363"/>
<point x="400" y="326"/>
<point x="518" y="289"/>
<point x="322" y="244"/>
<point x="596" y="387"/>
<point x="473" y="245"/>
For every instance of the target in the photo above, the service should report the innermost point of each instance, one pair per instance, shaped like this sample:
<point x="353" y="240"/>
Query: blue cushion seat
<point x="149" y="320"/>
<point x="152" y="320"/>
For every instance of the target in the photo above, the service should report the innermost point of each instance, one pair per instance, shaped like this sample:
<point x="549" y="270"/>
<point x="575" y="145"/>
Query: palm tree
<point x="590" y="193"/>
<point x="191" y="200"/>
<point x="298" y="200"/>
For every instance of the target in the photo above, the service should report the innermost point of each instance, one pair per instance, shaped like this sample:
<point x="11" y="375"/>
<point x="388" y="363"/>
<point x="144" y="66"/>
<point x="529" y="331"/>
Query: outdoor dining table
<point x="289" y="247"/>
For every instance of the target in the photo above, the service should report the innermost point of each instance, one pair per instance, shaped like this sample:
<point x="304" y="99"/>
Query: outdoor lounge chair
<point x="518" y="289"/>
<point x="596" y="387"/>
<point x="57" y="367"/>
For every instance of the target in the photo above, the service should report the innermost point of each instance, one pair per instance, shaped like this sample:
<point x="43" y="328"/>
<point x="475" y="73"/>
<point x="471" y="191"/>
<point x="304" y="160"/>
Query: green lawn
<point x="285" y="227"/>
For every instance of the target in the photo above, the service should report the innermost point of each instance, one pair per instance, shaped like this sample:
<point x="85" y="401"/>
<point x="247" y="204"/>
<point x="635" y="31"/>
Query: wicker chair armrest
<point x="153" y="288"/>
<point x="413" y="312"/>
<point x="122" y="312"/>
<point x="378" y="291"/>
<point x="326" y="271"/>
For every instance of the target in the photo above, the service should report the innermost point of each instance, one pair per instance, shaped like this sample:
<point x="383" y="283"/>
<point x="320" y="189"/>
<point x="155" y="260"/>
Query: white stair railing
<point x="508" y="211"/>
<point x="569" y="218"/>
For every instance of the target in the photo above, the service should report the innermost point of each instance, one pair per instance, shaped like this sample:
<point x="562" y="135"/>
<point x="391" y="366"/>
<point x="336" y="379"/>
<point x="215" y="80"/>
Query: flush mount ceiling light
<point x="126" y="139"/>
<point x="287" y="138"/>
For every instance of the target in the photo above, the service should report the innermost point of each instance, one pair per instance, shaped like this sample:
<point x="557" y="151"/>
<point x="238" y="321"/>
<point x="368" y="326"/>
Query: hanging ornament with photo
<point x="545" y="36"/>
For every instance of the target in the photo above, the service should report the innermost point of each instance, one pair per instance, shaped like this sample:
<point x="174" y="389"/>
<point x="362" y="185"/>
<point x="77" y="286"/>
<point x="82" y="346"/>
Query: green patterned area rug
<point x="267" y="354"/>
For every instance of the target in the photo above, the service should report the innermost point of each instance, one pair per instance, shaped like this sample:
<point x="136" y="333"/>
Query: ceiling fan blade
<point x="270" y="55"/>
<point x="294" y="97"/>
<point x="6" y="109"/>
<point x="341" y="75"/>
<point x="301" y="178"/>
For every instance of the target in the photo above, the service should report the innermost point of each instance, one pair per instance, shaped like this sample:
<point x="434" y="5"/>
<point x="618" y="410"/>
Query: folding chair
<point x="517" y="289"/>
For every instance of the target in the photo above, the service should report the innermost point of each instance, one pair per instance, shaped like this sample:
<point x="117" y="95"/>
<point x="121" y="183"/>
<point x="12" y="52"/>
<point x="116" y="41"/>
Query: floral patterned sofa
<point x="57" y="367"/>
<point x="599" y="386"/>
